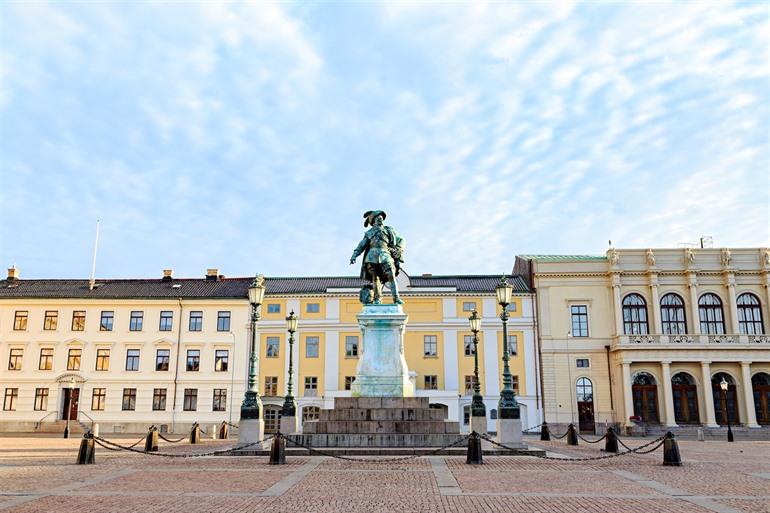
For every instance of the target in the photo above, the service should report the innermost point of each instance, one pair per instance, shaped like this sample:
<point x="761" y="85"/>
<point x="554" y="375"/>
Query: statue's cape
<point x="396" y="245"/>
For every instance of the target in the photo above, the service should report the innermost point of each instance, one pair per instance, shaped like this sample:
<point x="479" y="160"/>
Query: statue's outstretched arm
<point x="359" y="249"/>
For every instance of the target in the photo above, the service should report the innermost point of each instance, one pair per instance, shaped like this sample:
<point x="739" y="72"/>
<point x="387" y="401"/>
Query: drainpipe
<point x="176" y="366"/>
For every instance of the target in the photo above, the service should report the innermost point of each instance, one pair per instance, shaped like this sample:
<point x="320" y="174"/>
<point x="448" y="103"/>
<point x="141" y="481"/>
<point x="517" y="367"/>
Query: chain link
<point x="615" y="455"/>
<point x="117" y="447"/>
<point x="172" y="441"/>
<point x="533" y="428"/>
<point x="592" y="442"/>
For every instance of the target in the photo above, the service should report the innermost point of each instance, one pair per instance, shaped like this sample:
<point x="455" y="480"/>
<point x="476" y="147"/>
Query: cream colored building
<point x="171" y="351"/>
<point x="650" y="333"/>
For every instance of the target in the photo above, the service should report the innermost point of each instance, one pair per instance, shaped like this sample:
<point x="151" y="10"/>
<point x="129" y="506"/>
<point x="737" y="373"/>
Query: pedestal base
<point x="479" y="425"/>
<point x="289" y="425"/>
<point x="509" y="433"/>
<point x="251" y="431"/>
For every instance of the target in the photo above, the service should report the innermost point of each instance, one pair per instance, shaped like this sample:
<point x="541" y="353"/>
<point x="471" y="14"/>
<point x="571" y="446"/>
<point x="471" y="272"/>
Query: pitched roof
<point x="228" y="288"/>
<point x="561" y="258"/>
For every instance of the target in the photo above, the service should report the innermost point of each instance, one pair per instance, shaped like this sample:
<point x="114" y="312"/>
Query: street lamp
<point x="723" y="385"/>
<point x="69" y="408"/>
<point x="289" y="403"/>
<point x="507" y="407"/>
<point x="251" y="407"/>
<point x="477" y="404"/>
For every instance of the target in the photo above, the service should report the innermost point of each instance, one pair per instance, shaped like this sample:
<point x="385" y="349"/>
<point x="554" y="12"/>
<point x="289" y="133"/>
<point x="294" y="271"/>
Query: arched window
<point x="310" y="413"/>
<point x="643" y="379"/>
<point x="634" y="315"/>
<point x="712" y="320"/>
<point x="749" y="315"/>
<point x="672" y="314"/>
<point x="725" y="402"/>
<point x="585" y="390"/>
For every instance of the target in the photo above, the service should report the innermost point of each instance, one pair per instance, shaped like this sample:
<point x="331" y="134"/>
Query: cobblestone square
<point x="39" y="474"/>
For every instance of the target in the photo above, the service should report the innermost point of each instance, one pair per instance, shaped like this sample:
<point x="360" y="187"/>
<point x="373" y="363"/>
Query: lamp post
<point x="289" y="403"/>
<point x="723" y="385"/>
<point x="251" y="408"/>
<point x="69" y="408"/>
<point x="507" y="407"/>
<point x="477" y="404"/>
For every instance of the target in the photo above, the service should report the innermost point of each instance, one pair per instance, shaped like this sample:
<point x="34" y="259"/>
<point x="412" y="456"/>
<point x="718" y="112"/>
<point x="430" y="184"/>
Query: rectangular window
<point x="311" y="386"/>
<point x="79" y="320"/>
<point x="272" y="347"/>
<point x="221" y="359"/>
<point x="161" y="359"/>
<point x="51" y="320"/>
<point x="102" y="359"/>
<point x="515" y="384"/>
<point x="11" y="396"/>
<point x="468" y="384"/>
<point x="223" y="321"/>
<point x="129" y="399"/>
<point x="166" y="320"/>
<point x="579" y="315"/>
<point x="431" y="382"/>
<point x="220" y="399"/>
<point x="132" y="360"/>
<point x="41" y="399"/>
<point x="135" y="324"/>
<point x="430" y="343"/>
<point x="15" y="359"/>
<point x="193" y="360"/>
<point x="349" y="381"/>
<point x="20" y="320"/>
<point x="271" y="386"/>
<point x="159" y="399"/>
<point x="273" y="308"/>
<point x="311" y="347"/>
<point x="313" y="308"/>
<point x="73" y="359"/>
<point x="582" y="363"/>
<point x="351" y="346"/>
<point x="98" y="397"/>
<point x="196" y="321"/>
<point x="46" y="359"/>
<point x="511" y="308"/>
<point x="105" y="322"/>
<point x="513" y="345"/>
<point x="468" y="345"/>
<point x="469" y="306"/>
<point x="190" y="399"/>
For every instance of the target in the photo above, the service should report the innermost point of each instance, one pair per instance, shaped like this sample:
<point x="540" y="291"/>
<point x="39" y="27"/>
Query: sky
<point x="251" y="137"/>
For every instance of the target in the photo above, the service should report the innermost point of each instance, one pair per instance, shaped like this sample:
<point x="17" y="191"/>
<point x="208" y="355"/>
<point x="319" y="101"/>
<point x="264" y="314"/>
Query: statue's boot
<point x="377" y="289"/>
<point x="394" y="290"/>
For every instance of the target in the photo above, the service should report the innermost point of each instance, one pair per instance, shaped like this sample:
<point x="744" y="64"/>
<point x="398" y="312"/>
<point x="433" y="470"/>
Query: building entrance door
<point x="71" y="399"/>
<point x="761" y="388"/>
<point x="685" y="394"/>
<point x="645" y="395"/>
<point x="585" y="405"/>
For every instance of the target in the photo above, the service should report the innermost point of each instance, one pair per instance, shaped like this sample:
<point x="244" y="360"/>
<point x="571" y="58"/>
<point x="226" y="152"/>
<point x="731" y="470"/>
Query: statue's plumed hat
<point x="369" y="216"/>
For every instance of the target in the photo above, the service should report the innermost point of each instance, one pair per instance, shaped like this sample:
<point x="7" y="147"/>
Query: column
<point x="668" y="397"/>
<point x="748" y="395"/>
<point x="708" y="396"/>
<point x="730" y="282"/>
<point x="616" y="303"/>
<point x="655" y="306"/>
<point x="693" y="284"/>
<point x="628" y="400"/>
<point x="766" y="280"/>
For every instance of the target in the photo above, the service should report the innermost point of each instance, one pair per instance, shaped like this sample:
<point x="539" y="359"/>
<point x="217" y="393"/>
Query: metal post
<point x="475" y="454"/>
<point x="545" y="433"/>
<point x="251" y="407"/>
<point x="289" y="403"/>
<point x="477" y="403"/>
<point x="86" y="451"/>
<point x="611" y="441"/>
<point x="507" y="407"/>
<point x="223" y="430"/>
<point x="572" y="435"/>
<point x="151" y="443"/>
<point x="69" y="408"/>
<point x="195" y="434"/>
<point x="671" y="456"/>
<point x="278" y="451"/>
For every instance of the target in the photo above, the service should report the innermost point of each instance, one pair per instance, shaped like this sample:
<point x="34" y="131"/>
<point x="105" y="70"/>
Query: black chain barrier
<point x="102" y="442"/>
<point x="373" y="460"/>
<point x="592" y="442"/>
<point x="558" y="437"/>
<point x="173" y="441"/>
<point x="637" y="450"/>
<point x="533" y="428"/>
<point x="232" y="425"/>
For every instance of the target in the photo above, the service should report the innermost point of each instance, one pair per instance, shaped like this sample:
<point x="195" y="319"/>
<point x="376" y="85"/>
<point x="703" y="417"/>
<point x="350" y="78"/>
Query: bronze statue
<point x="383" y="249"/>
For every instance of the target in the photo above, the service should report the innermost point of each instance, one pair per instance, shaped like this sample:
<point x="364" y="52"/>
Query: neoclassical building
<point x="646" y="337"/>
<point x="129" y="353"/>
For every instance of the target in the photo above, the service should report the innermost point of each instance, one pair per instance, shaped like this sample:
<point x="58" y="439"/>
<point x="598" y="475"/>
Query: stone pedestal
<point x="509" y="433"/>
<point x="479" y="425"/>
<point x="289" y="425"/>
<point x="382" y="370"/>
<point x="250" y="431"/>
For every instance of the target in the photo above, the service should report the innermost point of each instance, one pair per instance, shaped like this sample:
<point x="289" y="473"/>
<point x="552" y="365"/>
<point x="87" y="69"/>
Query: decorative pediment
<point x="67" y="376"/>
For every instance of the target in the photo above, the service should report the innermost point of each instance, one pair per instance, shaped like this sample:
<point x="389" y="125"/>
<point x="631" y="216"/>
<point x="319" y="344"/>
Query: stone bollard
<point x="223" y="431"/>
<point x="95" y="429"/>
<point x="87" y="450"/>
<point x="195" y="434"/>
<point x="699" y="435"/>
<point x="572" y="435"/>
<point x="611" y="441"/>
<point x="278" y="451"/>
<point x="213" y="430"/>
<point x="671" y="455"/>
<point x="475" y="454"/>
<point x="151" y="443"/>
<point x="545" y="433"/>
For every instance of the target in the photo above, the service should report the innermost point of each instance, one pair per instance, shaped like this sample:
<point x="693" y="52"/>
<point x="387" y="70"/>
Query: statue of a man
<point x="383" y="249"/>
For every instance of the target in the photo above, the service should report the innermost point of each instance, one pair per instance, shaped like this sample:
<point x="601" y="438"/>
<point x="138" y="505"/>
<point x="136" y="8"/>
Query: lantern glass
<point x="504" y="292"/>
<point x="475" y="321"/>
<point x="291" y="322"/>
<point x="724" y="384"/>
<point x="256" y="293"/>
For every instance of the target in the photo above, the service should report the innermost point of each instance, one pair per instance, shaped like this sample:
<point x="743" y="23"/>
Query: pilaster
<point x="708" y="398"/>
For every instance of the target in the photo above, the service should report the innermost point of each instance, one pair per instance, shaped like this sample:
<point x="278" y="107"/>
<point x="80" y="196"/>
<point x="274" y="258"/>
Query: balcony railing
<point x="687" y="339"/>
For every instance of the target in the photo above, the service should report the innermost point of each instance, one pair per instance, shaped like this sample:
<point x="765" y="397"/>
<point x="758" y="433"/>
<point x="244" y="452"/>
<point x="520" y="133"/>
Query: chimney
<point x="212" y="274"/>
<point x="13" y="273"/>
<point x="168" y="274"/>
<point x="427" y="275"/>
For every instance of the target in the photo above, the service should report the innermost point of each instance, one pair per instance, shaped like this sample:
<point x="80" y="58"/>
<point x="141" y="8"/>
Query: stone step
<point x="366" y="403"/>
<point x="381" y="427"/>
<point x="405" y="414"/>
<point x="375" y="440"/>
<point x="460" y="450"/>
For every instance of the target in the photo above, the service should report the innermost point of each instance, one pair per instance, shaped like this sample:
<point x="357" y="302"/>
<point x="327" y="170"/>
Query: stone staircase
<point x="386" y="422"/>
<point x="690" y="432"/>
<point x="57" y="426"/>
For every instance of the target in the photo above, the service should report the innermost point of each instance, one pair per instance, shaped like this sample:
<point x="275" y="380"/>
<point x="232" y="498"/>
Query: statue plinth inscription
<point x="382" y="370"/>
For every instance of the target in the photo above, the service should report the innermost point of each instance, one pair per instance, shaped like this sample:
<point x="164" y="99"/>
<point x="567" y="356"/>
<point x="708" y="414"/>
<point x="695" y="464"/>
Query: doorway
<point x="645" y="395"/>
<point x="725" y="403"/>
<point x="685" y="393"/>
<point x="585" y="405"/>
<point x="70" y="405"/>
